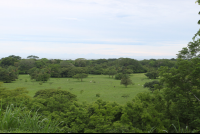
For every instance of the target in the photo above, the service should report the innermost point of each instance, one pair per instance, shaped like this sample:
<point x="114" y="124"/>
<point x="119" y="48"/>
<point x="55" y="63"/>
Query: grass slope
<point x="104" y="86"/>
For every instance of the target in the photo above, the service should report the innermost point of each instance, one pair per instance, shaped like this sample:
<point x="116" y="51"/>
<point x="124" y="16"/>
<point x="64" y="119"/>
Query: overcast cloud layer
<point x="94" y="29"/>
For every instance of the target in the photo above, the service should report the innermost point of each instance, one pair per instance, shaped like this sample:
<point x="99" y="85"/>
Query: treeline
<point x="14" y="65"/>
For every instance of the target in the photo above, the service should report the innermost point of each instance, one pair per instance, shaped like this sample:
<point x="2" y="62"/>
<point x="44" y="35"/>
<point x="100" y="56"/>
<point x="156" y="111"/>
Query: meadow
<point x="108" y="88"/>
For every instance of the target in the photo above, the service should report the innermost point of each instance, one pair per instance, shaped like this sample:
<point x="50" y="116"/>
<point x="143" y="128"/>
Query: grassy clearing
<point x="86" y="90"/>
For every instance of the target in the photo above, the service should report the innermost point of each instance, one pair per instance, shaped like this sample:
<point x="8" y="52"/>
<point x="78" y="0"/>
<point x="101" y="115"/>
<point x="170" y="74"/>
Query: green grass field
<point x="104" y="86"/>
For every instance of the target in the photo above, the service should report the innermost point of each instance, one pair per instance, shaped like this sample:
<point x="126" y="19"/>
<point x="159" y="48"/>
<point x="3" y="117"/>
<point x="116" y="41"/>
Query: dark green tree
<point x="151" y="84"/>
<point x="80" y="76"/>
<point x="145" y="112"/>
<point x="9" y="74"/>
<point x="26" y="64"/>
<point x="55" y="70"/>
<point x="40" y="74"/>
<point x="8" y="61"/>
<point x="152" y="74"/>
<point x="126" y="80"/>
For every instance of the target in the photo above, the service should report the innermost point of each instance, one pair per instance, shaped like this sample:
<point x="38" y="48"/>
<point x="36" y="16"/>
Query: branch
<point x="195" y="96"/>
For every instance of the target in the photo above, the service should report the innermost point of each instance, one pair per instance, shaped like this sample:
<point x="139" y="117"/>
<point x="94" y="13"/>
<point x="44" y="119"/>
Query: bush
<point x="98" y="95"/>
<point x="40" y="74"/>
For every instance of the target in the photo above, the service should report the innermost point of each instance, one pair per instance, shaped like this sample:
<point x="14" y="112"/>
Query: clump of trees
<point x="40" y="74"/>
<point x="8" y="74"/>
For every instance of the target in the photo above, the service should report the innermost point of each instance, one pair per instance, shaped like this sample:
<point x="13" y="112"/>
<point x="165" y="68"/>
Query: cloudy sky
<point x="94" y="29"/>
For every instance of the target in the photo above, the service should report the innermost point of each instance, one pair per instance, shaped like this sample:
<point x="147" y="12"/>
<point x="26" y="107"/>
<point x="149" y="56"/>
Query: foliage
<point x="40" y="74"/>
<point x="25" y="65"/>
<point x="182" y="90"/>
<point x="16" y="118"/>
<point x="47" y="93"/>
<point x="132" y="64"/>
<point x="151" y="84"/>
<point x="41" y="63"/>
<point x="102" y="115"/>
<point x="152" y="74"/>
<point x="119" y="76"/>
<point x="80" y="76"/>
<point x="112" y="72"/>
<point x="128" y="71"/>
<point x="146" y="111"/>
<point x="126" y="80"/>
<point x="80" y="62"/>
<point x="61" y="105"/>
<point x="8" y="74"/>
<point x="8" y="61"/>
<point x="66" y="64"/>
<point x="98" y="95"/>
<point x="55" y="70"/>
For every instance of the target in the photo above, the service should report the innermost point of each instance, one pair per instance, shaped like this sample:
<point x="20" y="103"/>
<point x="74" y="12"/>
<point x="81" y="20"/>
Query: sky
<point x="97" y="29"/>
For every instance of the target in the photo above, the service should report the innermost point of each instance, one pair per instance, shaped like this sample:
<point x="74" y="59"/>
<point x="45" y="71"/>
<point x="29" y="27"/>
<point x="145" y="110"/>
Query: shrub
<point x="98" y="95"/>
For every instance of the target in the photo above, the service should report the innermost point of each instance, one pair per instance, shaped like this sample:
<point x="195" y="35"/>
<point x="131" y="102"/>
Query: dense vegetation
<point x="174" y="101"/>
